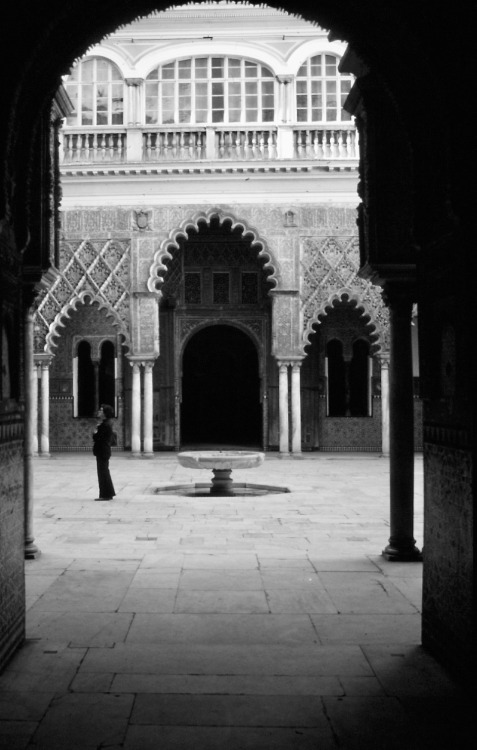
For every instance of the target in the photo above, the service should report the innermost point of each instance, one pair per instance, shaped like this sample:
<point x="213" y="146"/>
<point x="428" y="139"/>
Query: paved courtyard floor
<point x="164" y="622"/>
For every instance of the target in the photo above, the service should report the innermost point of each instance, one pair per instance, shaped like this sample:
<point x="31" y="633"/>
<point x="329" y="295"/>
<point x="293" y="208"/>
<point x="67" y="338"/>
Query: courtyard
<point x="271" y="622"/>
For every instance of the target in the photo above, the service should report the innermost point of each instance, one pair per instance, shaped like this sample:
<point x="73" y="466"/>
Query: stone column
<point x="134" y="135"/>
<point x="285" y="134"/>
<point x="34" y="410"/>
<point x="296" y="408"/>
<point x="31" y="550"/>
<point x="134" y="100"/>
<point x="283" y="407"/>
<point x="136" y="409"/>
<point x="45" y="410"/>
<point x="148" y="409"/>
<point x="401" y="545"/>
<point x="385" y="405"/>
<point x="96" y="385"/>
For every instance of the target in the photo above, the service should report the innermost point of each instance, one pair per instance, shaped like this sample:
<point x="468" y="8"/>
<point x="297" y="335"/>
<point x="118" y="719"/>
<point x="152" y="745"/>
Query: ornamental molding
<point x="158" y="269"/>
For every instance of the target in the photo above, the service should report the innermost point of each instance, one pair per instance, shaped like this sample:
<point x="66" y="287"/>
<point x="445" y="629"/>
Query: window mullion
<point x="193" y="112"/>
<point x="110" y="98"/>
<point x="160" y="108"/>
<point x="226" y="98"/>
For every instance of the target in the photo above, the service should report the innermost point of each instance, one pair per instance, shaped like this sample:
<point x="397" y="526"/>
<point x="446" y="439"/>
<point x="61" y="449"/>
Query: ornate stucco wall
<point x="118" y="260"/>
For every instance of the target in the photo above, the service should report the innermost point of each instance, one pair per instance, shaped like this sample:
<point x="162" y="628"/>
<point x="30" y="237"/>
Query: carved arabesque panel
<point x="96" y="269"/>
<point x="330" y="268"/>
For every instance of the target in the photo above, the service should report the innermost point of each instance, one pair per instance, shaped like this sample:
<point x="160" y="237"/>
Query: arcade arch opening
<point x="221" y="389"/>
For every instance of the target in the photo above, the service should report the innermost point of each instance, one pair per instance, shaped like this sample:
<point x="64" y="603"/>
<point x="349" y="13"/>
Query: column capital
<point x="286" y="79"/>
<point x="398" y="294"/>
<point x="44" y="360"/>
<point x="289" y="361"/>
<point x="141" y="361"/>
<point x="134" y="81"/>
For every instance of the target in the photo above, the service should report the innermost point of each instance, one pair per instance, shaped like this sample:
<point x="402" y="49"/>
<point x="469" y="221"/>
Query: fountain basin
<point x="221" y="463"/>
<point x="220" y="459"/>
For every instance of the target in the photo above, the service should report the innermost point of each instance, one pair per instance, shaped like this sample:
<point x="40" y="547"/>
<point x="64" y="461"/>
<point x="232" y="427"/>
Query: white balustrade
<point x="327" y="144"/>
<point x="213" y="143"/>
<point x="246" y="144"/>
<point x="174" y="145"/>
<point x="97" y="146"/>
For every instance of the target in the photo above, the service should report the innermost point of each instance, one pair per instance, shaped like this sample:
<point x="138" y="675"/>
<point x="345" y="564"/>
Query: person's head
<point x="107" y="410"/>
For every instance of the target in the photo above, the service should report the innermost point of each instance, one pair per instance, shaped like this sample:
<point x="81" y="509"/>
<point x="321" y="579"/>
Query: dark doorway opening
<point x="106" y="384"/>
<point x="86" y="388"/>
<point x="221" y="389"/>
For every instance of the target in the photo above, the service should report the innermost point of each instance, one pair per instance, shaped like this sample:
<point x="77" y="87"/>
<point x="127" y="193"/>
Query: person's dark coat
<point x="103" y="439"/>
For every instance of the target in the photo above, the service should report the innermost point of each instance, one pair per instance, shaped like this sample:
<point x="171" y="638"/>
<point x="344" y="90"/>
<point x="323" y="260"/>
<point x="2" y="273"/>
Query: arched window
<point x="359" y="380"/>
<point x="336" y="379"/>
<point x="86" y="406"/>
<point x="321" y="90"/>
<point x="107" y="375"/>
<point x="202" y="90"/>
<point x="96" y="88"/>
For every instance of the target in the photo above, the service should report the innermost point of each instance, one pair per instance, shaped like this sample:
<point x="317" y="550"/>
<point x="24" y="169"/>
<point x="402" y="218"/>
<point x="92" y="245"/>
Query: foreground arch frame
<point x="411" y="198"/>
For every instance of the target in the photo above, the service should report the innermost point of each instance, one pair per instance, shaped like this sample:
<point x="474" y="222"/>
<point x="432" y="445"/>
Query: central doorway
<point x="221" y="390"/>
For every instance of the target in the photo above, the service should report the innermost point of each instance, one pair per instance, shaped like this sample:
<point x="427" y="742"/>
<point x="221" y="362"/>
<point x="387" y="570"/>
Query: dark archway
<point x="220" y="389"/>
<point x="106" y="375"/>
<point x="399" y="46"/>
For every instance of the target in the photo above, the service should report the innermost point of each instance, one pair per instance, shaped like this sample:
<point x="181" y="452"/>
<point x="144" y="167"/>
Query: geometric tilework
<point x="95" y="269"/>
<point x="12" y="537"/>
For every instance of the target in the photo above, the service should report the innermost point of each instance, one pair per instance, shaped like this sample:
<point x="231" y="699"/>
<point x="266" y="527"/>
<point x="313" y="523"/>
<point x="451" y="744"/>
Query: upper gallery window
<point x="321" y="90"/>
<point x="96" y="88"/>
<point x="209" y="90"/>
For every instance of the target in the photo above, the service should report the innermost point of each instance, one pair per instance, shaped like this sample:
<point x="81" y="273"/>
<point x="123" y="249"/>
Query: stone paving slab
<point x="251" y="623"/>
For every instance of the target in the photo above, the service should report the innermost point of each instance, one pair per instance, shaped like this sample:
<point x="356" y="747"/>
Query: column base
<point x="148" y="454"/>
<point x="31" y="551"/>
<point x="404" y="553"/>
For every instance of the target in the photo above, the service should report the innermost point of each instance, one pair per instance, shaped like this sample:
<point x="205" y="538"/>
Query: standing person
<point x="103" y="439"/>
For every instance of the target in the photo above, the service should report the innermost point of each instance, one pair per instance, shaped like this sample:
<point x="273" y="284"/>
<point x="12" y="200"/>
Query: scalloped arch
<point x="71" y="306"/>
<point x="158" y="268"/>
<point x="379" y="333"/>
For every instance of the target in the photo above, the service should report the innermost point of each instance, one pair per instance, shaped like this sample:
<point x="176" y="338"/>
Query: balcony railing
<point x="327" y="144"/>
<point x="169" y="144"/>
<point x="86" y="147"/>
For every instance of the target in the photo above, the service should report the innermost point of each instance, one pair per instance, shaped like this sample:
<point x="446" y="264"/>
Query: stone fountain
<point x="221" y="463"/>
